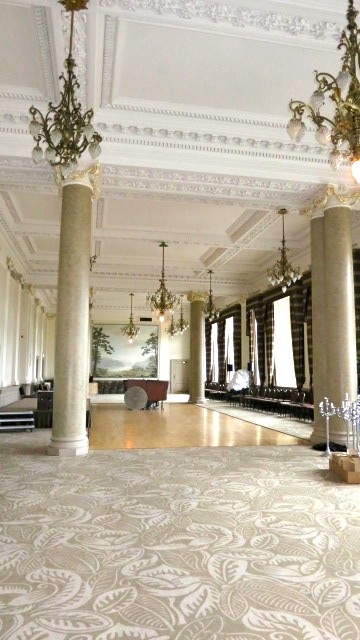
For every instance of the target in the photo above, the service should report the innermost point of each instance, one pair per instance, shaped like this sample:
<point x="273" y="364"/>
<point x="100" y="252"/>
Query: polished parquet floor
<point x="113" y="426"/>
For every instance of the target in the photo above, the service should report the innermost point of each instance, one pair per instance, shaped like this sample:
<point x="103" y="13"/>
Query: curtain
<point x="259" y="316"/>
<point x="297" y="318"/>
<point x="221" y="351"/>
<point x="269" y="334"/>
<point x="208" y="348"/>
<point x="214" y="367"/>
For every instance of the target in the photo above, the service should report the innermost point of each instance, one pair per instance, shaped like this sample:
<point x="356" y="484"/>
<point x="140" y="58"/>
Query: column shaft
<point x="197" y="353"/>
<point x="319" y="322"/>
<point x="72" y="324"/>
<point x="340" y="313"/>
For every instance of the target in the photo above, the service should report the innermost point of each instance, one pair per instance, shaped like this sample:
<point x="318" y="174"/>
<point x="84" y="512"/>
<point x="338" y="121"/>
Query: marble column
<point x="340" y="311"/>
<point x="69" y="436"/>
<point x="334" y="336"/>
<point x="320" y="386"/>
<point x="197" y="348"/>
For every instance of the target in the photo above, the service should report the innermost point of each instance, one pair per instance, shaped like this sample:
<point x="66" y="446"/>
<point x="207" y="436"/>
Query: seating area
<point x="216" y="391"/>
<point x="284" y="401"/>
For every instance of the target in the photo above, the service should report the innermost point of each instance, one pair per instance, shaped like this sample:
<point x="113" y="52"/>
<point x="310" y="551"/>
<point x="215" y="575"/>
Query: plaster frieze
<point x="225" y="14"/>
<point x="110" y="39"/>
<point x="331" y="196"/>
<point x="208" y="178"/>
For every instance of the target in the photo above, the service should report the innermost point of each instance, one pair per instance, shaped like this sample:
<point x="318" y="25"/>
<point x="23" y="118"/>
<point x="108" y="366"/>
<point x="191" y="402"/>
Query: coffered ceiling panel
<point x="35" y="207"/>
<point x="20" y="60"/>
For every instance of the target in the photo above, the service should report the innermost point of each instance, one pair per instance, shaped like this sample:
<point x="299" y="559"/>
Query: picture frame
<point x="112" y="356"/>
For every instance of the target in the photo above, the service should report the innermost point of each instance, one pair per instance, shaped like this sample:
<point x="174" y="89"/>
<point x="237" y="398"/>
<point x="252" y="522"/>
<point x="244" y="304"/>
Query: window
<point x="283" y="350"/>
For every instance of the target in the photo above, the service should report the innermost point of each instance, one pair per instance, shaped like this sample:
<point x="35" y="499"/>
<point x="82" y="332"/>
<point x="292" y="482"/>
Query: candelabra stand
<point x="327" y="409"/>
<point x="345" y="413"/>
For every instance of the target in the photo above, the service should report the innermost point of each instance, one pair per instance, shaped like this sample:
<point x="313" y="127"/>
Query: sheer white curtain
<point x="214" y="353"/>
<point x="283" y="350"/>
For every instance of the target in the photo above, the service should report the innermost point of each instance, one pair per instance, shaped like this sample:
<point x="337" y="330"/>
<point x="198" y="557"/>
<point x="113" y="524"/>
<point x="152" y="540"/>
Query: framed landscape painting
<point x="113" y="357"/>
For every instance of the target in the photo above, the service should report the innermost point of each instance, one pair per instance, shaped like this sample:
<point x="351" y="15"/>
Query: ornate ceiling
<point x="191" y="98"/>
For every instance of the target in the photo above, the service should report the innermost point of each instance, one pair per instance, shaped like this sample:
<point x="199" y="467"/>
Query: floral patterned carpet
<point x="247" y="543"/>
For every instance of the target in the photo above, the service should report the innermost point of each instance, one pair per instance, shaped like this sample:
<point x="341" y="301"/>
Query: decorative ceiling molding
<point x="46" y="52"/>
<point x="192" y="177"/>
<point x="110" y="39"/>
<point x="223" y="13"/>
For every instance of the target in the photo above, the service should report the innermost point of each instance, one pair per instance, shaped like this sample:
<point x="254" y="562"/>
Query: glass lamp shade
<point x="343" y="81"/>
<point x="37" y="154"/>
<point x="296" y="129"/>
<point x="35" y="128"/>
<point x="317" y="100"/>
<point x="323" y="135"/>
<point x="94" y="150"/>
<point x="161" y="318"/>
<point x="88" y="131"/>
<point x="55" y="137"/>
<point x="355" y="170"/>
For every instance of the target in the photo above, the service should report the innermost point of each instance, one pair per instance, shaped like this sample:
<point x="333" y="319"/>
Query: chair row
<point x="283" y="401"/>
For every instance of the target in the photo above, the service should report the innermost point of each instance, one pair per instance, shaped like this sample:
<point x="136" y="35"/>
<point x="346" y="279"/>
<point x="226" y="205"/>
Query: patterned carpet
<point x="247" y="543"/>
<point x="287" y="425"/>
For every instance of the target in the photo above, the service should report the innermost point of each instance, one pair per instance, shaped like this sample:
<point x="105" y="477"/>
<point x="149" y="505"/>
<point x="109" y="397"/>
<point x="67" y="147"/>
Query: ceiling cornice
<point x="220" y="15"/>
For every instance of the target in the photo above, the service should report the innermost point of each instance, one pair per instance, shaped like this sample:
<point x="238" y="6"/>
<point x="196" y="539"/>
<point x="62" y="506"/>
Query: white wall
<point x="22" y="328"/>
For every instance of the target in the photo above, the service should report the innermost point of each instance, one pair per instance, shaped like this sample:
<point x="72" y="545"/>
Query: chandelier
<point x="162" y="301"/>
<point x="210" y="310"/>
<point x="130" y="330"/>
<point x="342" y="131"/>
<point x="65" y="130"/>
<point x="283" y="272"/>
<point x="178" y="328"/>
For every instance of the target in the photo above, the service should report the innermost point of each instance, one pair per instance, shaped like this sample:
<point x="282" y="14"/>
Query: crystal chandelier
<point x="65" y="130"/>
<point x="283" y="272"/>
<point x="130" y="330"/>
<point x="181" y="324"/>
<point x="342" y="130"/>
<point x="178" y="328"/>
<point x="162" y="301"/>
<point x="210" y="310"/>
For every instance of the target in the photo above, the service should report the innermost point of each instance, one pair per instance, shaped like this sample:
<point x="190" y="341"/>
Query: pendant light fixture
<point x="162" y="301"/>
<point x="130" y="330"/>
<point x="283" y="273"/>
<point x="210" y="310"/>
<point x="65" y="130"/>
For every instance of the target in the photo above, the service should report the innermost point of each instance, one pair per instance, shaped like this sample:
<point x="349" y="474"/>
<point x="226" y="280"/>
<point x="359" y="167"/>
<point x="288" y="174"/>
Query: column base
<point x="197" y="400"/>
<point x="319" y="435"/>
<point x="68" y="448"/>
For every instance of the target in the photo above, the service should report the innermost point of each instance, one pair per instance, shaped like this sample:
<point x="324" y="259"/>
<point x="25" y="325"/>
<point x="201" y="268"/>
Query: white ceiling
<point x="191" y="99"/>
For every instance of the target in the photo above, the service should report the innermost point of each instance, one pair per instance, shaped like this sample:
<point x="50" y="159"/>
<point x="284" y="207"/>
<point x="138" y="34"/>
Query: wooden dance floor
<point x="114" y="426"/>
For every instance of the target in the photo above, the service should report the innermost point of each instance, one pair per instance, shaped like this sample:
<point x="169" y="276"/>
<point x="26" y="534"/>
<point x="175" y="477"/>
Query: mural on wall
<point x="113" y="357"/>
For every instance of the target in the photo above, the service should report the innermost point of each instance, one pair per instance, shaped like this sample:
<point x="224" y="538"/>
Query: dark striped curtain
<point x="237" y="337"/>
<point x="249" y="333"/>
<point x="208" y="348"/>
<point x="308" y="320"/>
<point x="221" y="351"/>
<point x="269" y="335"/>
<point x="297" y="317"/>
<point x="259" y="317"/>
<point x="356" y="263"/>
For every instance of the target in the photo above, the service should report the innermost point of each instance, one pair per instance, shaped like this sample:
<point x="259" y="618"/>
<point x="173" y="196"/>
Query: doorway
<point x="179" y="376"/>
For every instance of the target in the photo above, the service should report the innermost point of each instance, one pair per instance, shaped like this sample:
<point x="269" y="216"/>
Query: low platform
<point x="42" y="419"/>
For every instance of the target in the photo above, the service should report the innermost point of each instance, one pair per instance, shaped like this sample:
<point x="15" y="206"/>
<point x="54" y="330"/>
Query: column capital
<point x="86" y="177"/>
<point x="197" y="296"/>
<point x="331" y="196"/>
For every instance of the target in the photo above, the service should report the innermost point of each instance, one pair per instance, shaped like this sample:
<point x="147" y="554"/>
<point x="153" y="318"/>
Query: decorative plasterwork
<point x="223" y="13"/>
<point x="110" y="38"/>
<point x="46" y="52"/>
<point x="331" y="195"/>
<point x="197" y="296"/>
<point x="205" y="178"/>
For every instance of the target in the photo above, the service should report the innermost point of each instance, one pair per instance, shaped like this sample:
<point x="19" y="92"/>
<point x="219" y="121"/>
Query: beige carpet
<point x="251" y="543"/>
<point x="284" y="424"/>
